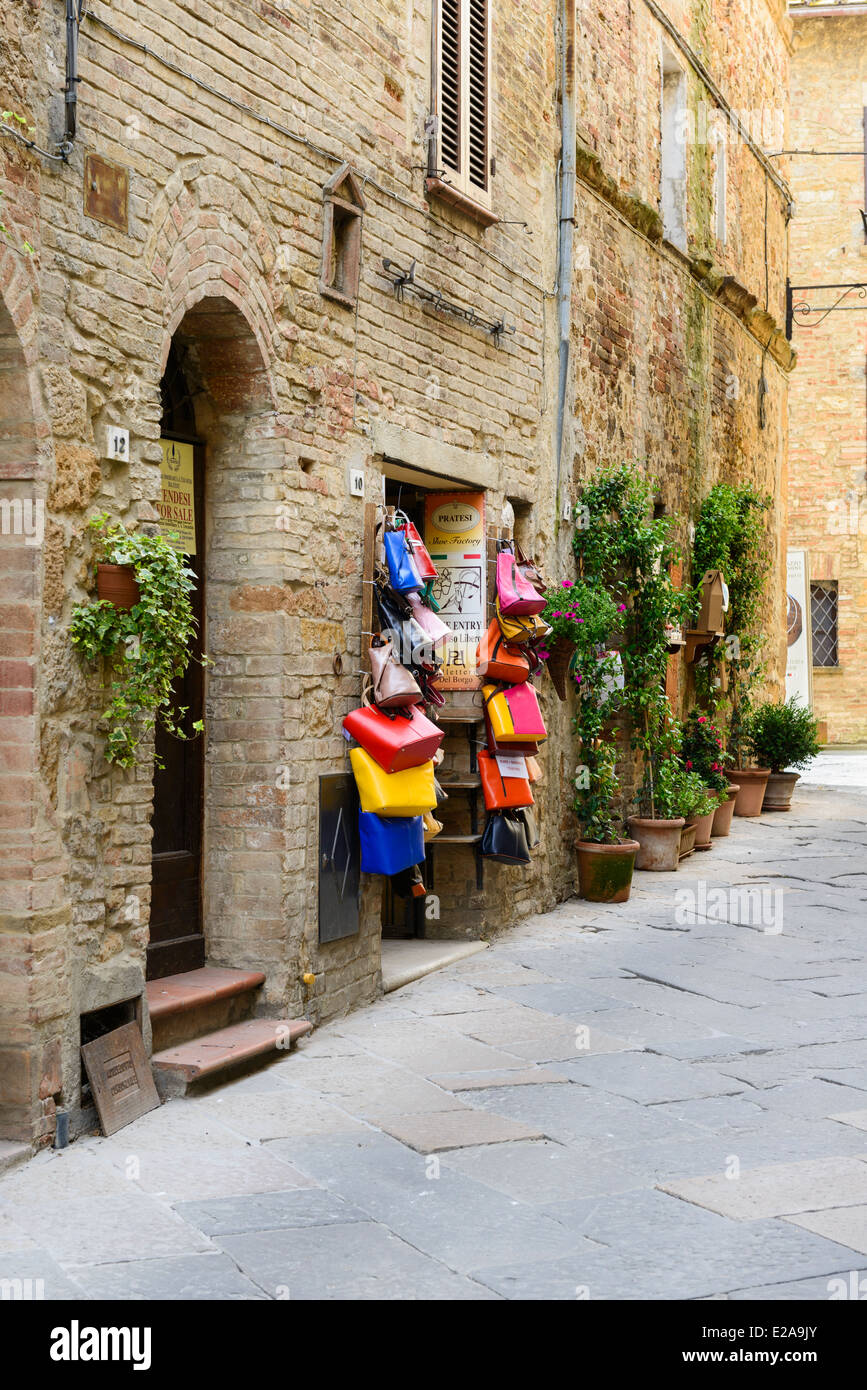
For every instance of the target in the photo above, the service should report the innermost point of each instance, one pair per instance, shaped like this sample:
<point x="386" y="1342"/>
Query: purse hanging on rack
<point x="390" y="845"/>
<point x="516" y="594"/>
<point x="499" y="661"/>
<point x="504" y="781"/>
<point x="432" y="826"/>
<point x="514" y="713"/>
<point x="393" y="685"/>
<point x="505" y="838"/>
<point x="532" y="829"/>
<point x="407" y="793"/>
<point x="528" y="749"/>
<point x="531" y="572"/>
<point x="433" y="627"/>
<point x="402" y="570"/>
<point x="397" y="741"/>
<point x="418" y="550"/>
<point x="526" y="630"/>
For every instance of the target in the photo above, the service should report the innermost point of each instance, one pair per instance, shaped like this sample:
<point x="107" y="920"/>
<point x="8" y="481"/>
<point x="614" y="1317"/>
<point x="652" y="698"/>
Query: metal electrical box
<point x="339" y="857"/>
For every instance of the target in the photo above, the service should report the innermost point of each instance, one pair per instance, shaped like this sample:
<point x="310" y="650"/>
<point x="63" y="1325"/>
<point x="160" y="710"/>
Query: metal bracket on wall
<point x="803" y="307"/>
<point x="404" y="280"/>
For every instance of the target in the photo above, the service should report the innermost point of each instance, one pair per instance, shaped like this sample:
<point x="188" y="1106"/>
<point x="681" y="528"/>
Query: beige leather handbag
<point x="393" y="684"/>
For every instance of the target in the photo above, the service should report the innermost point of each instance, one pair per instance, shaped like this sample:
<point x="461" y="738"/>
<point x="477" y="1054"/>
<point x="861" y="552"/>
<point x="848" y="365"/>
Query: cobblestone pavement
<point x="665" y="1099"/>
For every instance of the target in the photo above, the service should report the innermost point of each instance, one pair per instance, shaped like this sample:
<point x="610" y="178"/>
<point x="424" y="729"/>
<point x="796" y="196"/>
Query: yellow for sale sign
<point x="177" y="506"/>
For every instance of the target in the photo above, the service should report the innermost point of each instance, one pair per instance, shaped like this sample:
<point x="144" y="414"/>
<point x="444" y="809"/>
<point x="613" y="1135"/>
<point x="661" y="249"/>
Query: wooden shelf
<point x="454" y="840"/>
<point x="460" y="784"/>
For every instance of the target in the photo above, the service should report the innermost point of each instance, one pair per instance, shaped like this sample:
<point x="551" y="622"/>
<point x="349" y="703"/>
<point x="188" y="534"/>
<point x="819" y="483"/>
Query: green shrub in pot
<point x="784" y="737"/>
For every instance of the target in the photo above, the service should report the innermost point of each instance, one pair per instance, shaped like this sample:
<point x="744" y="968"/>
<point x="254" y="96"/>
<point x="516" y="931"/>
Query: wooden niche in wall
<point x="341" y="242"/>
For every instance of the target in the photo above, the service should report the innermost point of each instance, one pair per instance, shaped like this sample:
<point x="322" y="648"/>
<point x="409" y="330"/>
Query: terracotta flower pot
<point x="722" y="816"/>
<point x="118" y="584"/>
<point x="778" y="792"/>
<point x="703" y="829"/>
<point x="751" y="783"/>
<point x="659" y="842"/>
<point x="559" y="655"/>
<point x="605" y="871"/>
<point x="687" y="839"/>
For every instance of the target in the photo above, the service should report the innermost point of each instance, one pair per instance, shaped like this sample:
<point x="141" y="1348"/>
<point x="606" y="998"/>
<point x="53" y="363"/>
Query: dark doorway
<point x="176" y="940"/>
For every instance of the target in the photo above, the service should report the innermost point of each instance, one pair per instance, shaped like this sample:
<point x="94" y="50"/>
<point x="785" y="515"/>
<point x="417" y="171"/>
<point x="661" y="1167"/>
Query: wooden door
<point x="176" y="940"/>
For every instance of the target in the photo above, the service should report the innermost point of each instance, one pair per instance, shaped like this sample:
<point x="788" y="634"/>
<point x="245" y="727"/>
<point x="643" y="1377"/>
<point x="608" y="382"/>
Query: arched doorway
<point x="216" y="404"/>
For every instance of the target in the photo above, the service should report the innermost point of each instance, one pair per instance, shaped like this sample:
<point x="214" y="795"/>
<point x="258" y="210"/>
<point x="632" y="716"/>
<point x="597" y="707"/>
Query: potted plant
<point x="147" y="645"/>
<point x="785" y="736"/>
<point x="703" y="751"/>
<point x="700" y="818"/>
<point x="606" y="858"/>
<point x="660" y="819"/>
<point x="571" y="608"/>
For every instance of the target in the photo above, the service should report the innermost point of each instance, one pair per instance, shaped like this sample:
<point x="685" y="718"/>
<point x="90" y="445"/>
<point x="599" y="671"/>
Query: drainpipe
<point x="566" y="226"/>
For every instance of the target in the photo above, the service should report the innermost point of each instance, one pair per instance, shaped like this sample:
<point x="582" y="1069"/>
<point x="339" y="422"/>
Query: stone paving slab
<point x="453" y="1129"/>
<point x="188" y="1171"/>
<point x="648" y="1078"/>
<point x="360" y="1261"/>
<point x="306" y="1206"/>
<point x="101" y="1230"/>
<point x="180" y="1278"/>
<point x="484" y="1080"/>
<point x="846" y="1225"/>
<point x="36" y="1275"/>
<point x="780" y="1189"/>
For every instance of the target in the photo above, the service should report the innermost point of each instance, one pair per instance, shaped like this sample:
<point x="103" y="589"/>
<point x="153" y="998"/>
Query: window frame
<point x="831" y="586"/>
<point x="442" y="178"/>
<point x="675" y="230"/>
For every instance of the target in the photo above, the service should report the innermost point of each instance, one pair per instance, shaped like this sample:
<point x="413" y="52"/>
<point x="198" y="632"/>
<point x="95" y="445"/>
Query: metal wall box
<point x="339" y="857"/>
<point x="106" y="192"/>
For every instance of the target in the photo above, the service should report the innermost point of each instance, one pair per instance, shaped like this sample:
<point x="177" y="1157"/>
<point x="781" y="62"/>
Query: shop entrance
<point x="177" y="943"/>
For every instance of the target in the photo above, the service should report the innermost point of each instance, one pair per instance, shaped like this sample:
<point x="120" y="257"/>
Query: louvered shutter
<point x="464" y="94"/>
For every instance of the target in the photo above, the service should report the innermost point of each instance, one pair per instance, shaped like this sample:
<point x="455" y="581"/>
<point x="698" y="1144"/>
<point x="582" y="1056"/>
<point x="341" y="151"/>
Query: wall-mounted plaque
<point x="177" y="504"/>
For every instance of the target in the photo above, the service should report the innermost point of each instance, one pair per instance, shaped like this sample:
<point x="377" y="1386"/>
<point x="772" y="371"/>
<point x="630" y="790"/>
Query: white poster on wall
<point x="799" y="670"/>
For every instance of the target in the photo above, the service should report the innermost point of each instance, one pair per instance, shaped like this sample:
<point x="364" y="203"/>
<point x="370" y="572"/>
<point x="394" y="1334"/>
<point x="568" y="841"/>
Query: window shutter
<point x="450" y="84"/>
<point x="478" y="92"/>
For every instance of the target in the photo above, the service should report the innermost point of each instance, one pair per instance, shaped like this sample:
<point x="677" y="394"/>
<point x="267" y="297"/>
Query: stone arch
<point x="221" y="347"/>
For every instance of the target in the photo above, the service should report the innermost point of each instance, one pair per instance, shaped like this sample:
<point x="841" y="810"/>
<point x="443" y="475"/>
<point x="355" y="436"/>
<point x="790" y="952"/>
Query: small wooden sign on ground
<point x="120" y="1077"/>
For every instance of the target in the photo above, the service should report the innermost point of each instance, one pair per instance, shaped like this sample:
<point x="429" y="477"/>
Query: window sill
<point x="447" y="193"/>
<point x="329" y="292"/>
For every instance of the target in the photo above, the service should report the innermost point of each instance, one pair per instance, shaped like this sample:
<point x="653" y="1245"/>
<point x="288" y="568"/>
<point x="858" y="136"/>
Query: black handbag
<point x="505" y="838"/>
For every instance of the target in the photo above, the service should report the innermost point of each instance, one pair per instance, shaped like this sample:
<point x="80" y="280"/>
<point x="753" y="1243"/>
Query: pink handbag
<point x="428" y="621"/>
<point x="514" y="713"/>
<point x="516" y="594"/>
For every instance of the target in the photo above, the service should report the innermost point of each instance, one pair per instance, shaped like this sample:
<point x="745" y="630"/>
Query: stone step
<point x="183" y="1007"/>
<point x="218" y="1055"/>
<point x="13" y="1153"/>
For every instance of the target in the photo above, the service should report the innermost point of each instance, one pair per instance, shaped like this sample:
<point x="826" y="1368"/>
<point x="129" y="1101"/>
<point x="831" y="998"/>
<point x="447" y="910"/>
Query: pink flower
<point x="580" y="620"/>
<point x="557" y="614"/>
<point x="702" y="719"/>
<point x="621" y="607"/>
<point x="715" y="767"/>
<point x="689" y="765"/>
<point x="566" y="583"/>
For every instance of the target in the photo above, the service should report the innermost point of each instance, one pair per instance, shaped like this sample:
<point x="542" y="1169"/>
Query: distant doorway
<point x="177" y="943"/>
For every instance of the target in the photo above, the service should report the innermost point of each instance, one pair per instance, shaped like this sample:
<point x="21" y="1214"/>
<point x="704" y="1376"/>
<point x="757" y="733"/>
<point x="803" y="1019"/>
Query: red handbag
<point x="419" y="551"/>
<point x="407" y="739"/>
<point x="502" y="790"/>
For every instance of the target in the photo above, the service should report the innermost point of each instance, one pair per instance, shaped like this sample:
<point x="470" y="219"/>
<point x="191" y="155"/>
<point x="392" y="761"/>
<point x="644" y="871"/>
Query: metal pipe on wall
<point x="566" y="226"/>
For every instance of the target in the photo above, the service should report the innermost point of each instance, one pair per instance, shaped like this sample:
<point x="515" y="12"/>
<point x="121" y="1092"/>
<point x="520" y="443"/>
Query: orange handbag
<point x="503" y="786"/>
<point x="499" y="661"/>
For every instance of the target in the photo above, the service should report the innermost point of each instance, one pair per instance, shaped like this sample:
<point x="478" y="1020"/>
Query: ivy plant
<point x="624" y="547"/>
<point x="731" y="536"/>
<point x="589" y="617"/>
<point x="146" y="648"/>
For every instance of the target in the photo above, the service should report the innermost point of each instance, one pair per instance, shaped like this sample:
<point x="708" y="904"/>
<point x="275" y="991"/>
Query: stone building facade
<point x="828" y="404"/>
<point x="193" y="274"/>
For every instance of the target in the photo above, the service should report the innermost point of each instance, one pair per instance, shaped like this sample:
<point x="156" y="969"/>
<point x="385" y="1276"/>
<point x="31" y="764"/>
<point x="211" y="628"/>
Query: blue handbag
<point x="402" y="570"/>
<point x="390" y="844"/>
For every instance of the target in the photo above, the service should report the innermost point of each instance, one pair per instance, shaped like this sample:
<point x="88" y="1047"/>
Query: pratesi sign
<point x="177" y="506"/>
<point x="455" y="537"/>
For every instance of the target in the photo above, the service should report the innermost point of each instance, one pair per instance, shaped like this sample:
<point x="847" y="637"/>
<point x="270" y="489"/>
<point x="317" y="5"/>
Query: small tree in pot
<point x="784" y="736"/>
<point x="606" y="858"/>
<point x="703" y="751"/>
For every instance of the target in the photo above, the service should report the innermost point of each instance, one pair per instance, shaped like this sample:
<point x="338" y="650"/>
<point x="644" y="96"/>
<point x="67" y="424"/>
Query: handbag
<point x="393" y="684"/>
<point x="401" y="568"/>
<point x="505" y="838"/>
<point x="389" y="846"/>
<point x="531" y="826"/>
<point x="432" y="826"/>
<point x="499" y="661"/>
<point x="528" y="749"/>
<point x="514" y="713"/>
<point x="407" y="793"/>
<point x="503" y="787"/>
<point x="398" y="741"/>
<point x="527" y="630"/>
<point x="433" y="627"/>
<point x="419" y="552"/>
<point x="534" y="770"/>
<point x="440" y="794"/>
<point x="530" y="570"/>
<point x="516" y="594"/>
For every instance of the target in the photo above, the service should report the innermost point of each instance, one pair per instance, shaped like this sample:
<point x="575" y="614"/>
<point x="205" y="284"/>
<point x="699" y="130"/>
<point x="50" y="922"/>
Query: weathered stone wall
<point x="828" y="414"/>
<point x="222" y="252"/>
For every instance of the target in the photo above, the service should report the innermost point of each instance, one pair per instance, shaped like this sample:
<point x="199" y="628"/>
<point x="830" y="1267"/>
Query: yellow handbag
<point x="514" y="713"/>
<point x="527" y="628"/>
<point x="407" y="793"/>
<point x="432" y="826"/>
